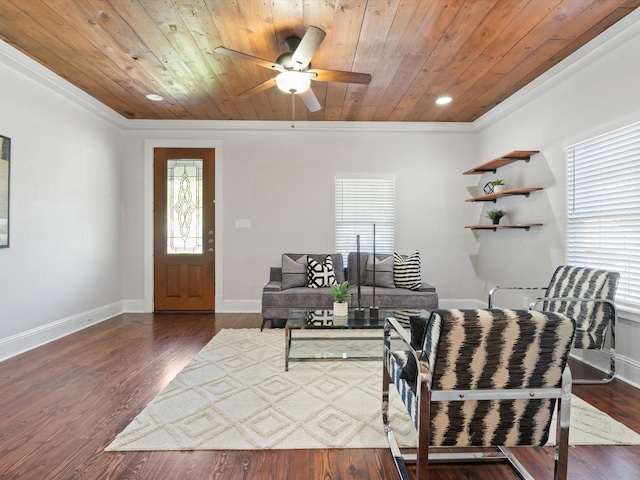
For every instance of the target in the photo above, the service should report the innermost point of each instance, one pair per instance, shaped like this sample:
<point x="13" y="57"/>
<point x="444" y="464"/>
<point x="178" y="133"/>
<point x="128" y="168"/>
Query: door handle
<point x="210" y="250"/>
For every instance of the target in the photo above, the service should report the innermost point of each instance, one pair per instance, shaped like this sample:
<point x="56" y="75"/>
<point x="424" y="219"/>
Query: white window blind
<point x="361" y="203"/>
<point x="603" y="208"/>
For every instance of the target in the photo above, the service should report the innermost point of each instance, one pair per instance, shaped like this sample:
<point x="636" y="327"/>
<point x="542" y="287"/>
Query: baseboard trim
<point x="36" y="337"/>
<point x="134" y="306"/>
<point x="240" y="306"/>
<point x="627" y="369"/>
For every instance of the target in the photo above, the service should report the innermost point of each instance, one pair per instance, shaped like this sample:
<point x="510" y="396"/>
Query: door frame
<point x="149" y="146"/>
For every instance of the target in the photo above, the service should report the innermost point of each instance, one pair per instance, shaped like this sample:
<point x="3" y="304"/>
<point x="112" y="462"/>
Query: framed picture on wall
<point x="5" y="156"/>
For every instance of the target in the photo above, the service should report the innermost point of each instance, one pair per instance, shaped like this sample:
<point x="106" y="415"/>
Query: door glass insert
<point x="184" y="206"/>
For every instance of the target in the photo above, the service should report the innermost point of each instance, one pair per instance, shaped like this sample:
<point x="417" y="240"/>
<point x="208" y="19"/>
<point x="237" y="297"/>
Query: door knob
<point x="210" y="250"/>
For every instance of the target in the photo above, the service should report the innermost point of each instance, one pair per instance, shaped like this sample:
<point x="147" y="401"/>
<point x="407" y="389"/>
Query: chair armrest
<point x="577" y="300"/>
<point x="422" y="370"/>
<point x="495" y="289"/>
<point x="393" y="324"/>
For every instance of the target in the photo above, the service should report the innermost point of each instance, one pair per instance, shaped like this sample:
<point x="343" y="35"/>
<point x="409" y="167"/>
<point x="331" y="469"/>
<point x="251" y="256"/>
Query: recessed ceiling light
<point x="155" y="97"/>
<point x="443" y="100"/>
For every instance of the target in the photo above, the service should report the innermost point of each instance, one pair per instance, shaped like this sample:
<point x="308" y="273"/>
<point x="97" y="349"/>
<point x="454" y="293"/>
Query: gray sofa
<point x="287" y="290"/>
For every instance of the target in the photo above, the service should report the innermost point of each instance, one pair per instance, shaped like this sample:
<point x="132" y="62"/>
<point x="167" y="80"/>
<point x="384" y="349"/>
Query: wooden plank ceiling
<point x="477" y="51"/>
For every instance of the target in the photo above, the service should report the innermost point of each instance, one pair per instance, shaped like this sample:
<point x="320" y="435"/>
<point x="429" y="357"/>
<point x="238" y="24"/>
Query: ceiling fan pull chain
<point x="293" y="108"/>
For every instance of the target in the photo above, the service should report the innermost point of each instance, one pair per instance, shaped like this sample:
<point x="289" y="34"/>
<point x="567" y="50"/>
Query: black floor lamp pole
<point x="373" y="310"/>
<point x="358" y="314"/>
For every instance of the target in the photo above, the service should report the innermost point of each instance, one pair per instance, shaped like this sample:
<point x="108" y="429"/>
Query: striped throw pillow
<point x="406" y="271"/>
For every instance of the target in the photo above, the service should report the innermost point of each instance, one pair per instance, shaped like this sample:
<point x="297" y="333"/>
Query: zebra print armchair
<point x="479" y="378"/>
<point x="587" y="295"/>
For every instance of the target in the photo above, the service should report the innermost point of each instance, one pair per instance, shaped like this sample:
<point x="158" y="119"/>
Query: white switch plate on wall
<point x="243" y="223"/>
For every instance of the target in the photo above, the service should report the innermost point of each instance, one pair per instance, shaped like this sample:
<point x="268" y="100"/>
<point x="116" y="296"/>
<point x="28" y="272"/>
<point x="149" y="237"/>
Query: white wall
<point x="64" y="264"/>
<point x="598" y="93"/>
<point x="282" y="180"/>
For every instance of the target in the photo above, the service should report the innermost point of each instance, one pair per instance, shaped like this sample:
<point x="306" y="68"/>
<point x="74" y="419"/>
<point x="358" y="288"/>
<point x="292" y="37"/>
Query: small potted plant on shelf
<point x="495" y="215"/>
<point x="340" y="294"/>
<point x="498" y="185"/>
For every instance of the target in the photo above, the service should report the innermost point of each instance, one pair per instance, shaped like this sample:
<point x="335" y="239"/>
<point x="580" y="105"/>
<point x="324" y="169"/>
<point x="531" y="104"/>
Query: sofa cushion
<point x="384" y="271"/>
<point x="406" y="271"/>
<point x="320" y="274"/>
<point x="294" y="271"/>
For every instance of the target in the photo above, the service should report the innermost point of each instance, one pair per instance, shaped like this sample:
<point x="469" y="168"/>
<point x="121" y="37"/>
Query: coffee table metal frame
<point x="324" y="320"/>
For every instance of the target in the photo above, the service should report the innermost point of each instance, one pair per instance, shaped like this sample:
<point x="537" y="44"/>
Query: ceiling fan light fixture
<point x="154" y="97"/>
<point x="444" y="100"/>
<point x="293" y="82"/>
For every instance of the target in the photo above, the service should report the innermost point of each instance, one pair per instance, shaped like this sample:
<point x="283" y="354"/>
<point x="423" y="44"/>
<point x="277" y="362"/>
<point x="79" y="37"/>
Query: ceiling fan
<point x="295" y="69"/>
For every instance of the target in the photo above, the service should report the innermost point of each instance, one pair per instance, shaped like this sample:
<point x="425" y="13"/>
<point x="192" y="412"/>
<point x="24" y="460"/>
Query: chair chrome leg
<point x="563" y="412"/>
<point x="515" y="464"/>
<point x="610" y="374"/>
<point x="398" y="458"/>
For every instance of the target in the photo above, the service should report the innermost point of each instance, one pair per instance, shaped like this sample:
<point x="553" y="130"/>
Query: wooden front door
<point x="184" y="236"/>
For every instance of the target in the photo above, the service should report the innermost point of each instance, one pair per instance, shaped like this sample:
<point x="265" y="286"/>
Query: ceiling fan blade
<point x="307" y="47"/>
<point x="340" y="76"/>
<point x="310" y="100"/>
<point x="261" y="87"/>
<point x="251" y="58"/>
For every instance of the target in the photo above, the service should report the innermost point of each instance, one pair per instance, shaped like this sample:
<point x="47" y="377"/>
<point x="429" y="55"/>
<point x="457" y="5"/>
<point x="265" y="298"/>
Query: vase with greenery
<point x="341" y="294"/>
<point x="495" y="215"/>
<point x="498" y="185"/>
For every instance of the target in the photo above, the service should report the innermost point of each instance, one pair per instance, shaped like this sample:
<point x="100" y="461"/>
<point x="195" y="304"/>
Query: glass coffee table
<point x="336" y="343"/>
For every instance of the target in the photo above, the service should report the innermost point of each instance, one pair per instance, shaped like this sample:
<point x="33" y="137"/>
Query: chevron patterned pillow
<point x="406" y="271"/>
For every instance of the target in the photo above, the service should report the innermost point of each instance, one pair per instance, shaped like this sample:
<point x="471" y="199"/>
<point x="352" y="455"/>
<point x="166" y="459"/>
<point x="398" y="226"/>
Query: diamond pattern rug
<point x="235" y="395"/>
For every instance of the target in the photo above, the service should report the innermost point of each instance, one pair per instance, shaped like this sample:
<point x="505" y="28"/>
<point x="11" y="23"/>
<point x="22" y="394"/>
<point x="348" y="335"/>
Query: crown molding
<point x="303" y="126"/>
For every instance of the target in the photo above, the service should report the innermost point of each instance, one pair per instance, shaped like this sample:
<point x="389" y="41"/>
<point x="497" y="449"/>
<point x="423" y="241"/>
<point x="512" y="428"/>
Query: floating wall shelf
<point x="496" y="163"/>
<point x="492" y="166"/>
<point x="492" y="197"/>
<point x="525" y="226"/>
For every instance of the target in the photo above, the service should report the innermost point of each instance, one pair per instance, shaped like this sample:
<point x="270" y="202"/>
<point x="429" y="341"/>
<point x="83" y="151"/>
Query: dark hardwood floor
<point x="63" y="403"/>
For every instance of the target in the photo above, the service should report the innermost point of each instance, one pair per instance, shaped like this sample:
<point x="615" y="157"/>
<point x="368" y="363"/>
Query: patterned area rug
<point x="235" y="395"/>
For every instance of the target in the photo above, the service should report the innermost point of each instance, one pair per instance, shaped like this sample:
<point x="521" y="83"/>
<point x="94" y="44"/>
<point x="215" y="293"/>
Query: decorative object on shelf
<point x="358" y="314"/>
<point x="373" y="310"/>
<point x="340" y="294"/>
<point x="495" y="215"/>
<point x="494" y="186"/>
<point x="498" y="185"/>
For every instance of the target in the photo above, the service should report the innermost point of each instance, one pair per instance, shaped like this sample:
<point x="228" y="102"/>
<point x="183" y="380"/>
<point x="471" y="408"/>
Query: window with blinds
<point x="603" y="208"/>
<point x="361" y="203"/>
